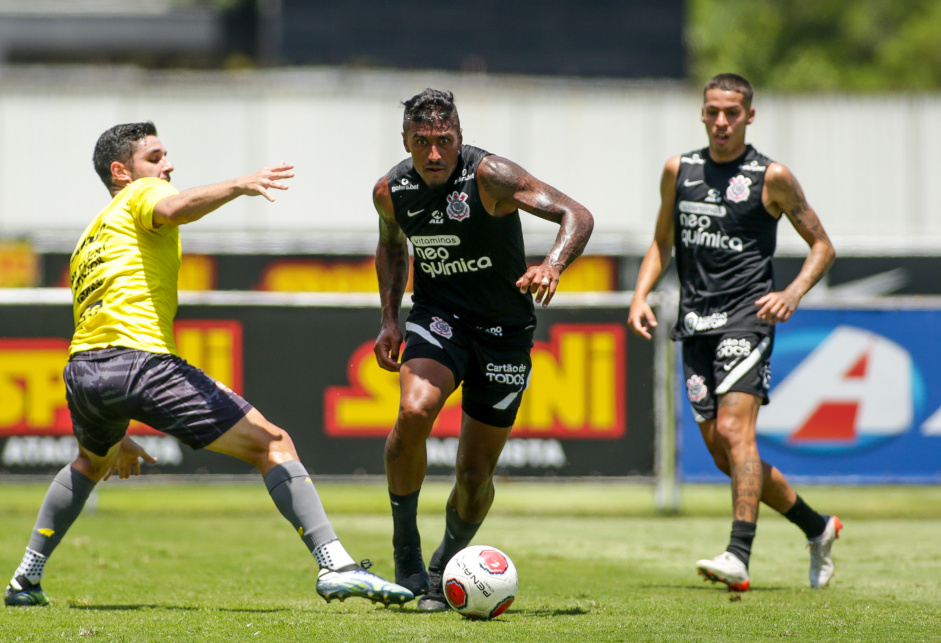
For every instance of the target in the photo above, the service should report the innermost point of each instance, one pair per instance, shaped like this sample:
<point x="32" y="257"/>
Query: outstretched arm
<point x="783" y="194"/>
<point x="641" y="318"/>
<point x="392" y="271"/>
<point x="506" y="187"/>
<point x="195" y="203"/>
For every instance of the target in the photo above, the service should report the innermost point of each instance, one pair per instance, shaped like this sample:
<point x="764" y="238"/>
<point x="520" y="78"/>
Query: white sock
<point x="32" y="566"/>
<point x="332" y="555"/>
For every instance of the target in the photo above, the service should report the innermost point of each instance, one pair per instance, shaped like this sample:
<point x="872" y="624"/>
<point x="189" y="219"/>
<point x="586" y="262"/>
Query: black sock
<point x="810" y="522"/>
<point x="743" y="533"/>
<point x="457" y="535"/>
<point x="405" y="521"/>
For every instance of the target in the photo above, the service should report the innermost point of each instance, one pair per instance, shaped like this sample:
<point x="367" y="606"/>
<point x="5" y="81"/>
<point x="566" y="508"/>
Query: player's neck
<point x="727" y="155"/>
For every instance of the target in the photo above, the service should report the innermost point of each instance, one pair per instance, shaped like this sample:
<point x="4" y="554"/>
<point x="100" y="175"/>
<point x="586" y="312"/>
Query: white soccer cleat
<point x="725" y="568"/>
<point x="821" y="564"/>
<point x="355" y="581"/>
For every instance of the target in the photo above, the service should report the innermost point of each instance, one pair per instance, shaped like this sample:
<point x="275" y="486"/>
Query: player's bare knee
<point x="475" y="478"/>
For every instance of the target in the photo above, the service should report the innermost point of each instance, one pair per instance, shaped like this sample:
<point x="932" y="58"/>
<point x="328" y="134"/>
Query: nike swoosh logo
<point x="412" y="214"/>
<point x="688" y="184"/>
<point x="731" y="365"/>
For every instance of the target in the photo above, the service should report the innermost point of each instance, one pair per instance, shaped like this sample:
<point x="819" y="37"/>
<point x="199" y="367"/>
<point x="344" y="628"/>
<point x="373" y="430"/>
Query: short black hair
<point x="430" y="106"/>
<point x="729" y="82"/>
<point x="119" y="144"/>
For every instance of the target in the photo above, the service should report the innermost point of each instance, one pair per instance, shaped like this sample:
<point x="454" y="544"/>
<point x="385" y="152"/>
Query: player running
<point x="720" y="208"/>
<point x="123" y="365"/>
<point x="473" y="316"/>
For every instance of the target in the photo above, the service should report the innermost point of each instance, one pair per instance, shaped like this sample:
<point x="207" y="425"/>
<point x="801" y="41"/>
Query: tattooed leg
<point x="738" y="413"/>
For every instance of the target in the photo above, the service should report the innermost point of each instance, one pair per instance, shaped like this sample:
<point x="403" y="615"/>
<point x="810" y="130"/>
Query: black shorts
<point x="108" y="388"/>
<point x="731" y="362"/>
<point x="494" y="368"/>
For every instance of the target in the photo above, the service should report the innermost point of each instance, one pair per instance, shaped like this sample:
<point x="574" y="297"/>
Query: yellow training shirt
<point x="124" y="274"/>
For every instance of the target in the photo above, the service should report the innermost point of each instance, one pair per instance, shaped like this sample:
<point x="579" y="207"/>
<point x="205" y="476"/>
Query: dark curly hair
<point x="432" y="105"/>
<point x="119" y="144"/>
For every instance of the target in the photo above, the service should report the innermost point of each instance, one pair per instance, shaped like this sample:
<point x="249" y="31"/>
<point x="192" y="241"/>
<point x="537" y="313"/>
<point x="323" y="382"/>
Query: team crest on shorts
<point x="457" y="206"/>
<point x="696" y="389"/>
<point x="738" y="189"/>
<point x="441" y="327"/>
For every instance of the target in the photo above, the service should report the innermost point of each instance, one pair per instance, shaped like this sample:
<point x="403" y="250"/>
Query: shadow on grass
<point x="541" y="613"/>
<point x="548" y="613"/>
<point x="174" y="608"/>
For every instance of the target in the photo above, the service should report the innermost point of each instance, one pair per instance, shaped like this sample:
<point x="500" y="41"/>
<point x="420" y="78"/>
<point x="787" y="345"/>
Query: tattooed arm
<point x="392" y="271"/>
<point x="783" y="195"/>
<point x="506" y="187"/>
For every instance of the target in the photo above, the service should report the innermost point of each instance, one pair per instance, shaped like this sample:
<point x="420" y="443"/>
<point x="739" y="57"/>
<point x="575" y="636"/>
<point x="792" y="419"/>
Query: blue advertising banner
<point x="854" y="399"/>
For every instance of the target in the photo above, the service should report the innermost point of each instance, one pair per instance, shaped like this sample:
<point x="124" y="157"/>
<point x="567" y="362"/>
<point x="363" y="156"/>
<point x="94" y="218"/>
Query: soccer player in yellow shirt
<point x="123" y="365"/>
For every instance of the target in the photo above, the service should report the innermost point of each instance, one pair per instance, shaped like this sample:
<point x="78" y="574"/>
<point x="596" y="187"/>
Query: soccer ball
<point x="480" y="582"/>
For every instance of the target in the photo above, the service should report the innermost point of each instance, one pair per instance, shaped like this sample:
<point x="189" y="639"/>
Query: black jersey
<point x="466" y="261"/>
<point x="724" y="240"/>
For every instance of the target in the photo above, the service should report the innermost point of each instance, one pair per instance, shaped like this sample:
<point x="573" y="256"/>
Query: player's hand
<point x="387" y="347"/>
<point x="777" y="306"/>
<point x="128" y="460"/>
<point x="542" y="281"/>
<point x="641" y="318"/>
<point x="266" y="179"/>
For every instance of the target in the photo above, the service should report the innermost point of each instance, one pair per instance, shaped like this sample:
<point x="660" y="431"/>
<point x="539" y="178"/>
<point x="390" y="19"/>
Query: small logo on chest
<point x="457" y="206"/>
<point x="738" y="189"/>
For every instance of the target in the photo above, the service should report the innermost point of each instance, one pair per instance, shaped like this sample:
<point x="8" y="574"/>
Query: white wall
<point x="867" y="164"/>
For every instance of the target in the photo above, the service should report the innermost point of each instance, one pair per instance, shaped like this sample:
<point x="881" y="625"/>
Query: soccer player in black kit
<point x="719" y="208"/>
<point x="472" y="319"/>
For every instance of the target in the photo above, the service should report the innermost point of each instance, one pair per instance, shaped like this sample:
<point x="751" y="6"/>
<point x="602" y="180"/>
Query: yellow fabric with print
<point x="124" y="274"/>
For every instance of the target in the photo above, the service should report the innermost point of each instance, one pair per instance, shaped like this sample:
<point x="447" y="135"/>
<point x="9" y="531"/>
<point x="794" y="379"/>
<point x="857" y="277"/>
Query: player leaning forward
<point x="472" y="320"/>
<point x="720" y="208"/>
<point x="123" y="365"/>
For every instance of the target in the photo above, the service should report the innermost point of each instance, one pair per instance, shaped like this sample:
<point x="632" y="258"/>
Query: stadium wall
<point x="602" y="141"/>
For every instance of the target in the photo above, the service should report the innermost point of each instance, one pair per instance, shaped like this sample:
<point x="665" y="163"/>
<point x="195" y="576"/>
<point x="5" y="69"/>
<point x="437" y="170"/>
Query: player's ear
<point x="405" y="143"/>
<point x="120" y="173"/>
<point x="751" y="115"/>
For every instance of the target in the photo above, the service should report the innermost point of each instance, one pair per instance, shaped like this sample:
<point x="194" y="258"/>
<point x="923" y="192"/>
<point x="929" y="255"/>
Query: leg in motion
<point x="271" y="450"/>
<point x="425" y="386"/>
<point x="478" y="452"/>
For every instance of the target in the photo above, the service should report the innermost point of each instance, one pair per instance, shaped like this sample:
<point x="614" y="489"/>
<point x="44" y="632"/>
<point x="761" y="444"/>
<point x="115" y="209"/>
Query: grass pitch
<point x="217" y="563"/>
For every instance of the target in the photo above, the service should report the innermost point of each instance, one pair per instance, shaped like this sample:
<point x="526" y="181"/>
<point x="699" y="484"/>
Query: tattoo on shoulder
<point x="504" y="178"/>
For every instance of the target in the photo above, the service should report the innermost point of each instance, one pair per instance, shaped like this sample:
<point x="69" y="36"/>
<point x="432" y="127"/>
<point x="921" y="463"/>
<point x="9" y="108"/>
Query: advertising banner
<point x="311" y="370"/>
<point x="852" y="400"/>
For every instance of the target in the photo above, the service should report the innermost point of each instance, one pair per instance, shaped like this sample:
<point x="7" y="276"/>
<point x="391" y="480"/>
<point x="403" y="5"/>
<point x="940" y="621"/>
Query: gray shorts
<point x="108" y="388"/>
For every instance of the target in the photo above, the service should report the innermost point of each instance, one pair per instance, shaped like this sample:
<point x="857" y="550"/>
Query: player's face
<point x="434" y="146"/>
<point x="726" y="116"/>
<point x="150" y="160"/>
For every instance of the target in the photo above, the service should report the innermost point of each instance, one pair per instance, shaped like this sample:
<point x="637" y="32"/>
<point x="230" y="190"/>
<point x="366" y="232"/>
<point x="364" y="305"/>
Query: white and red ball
<point x="480" y="582"/>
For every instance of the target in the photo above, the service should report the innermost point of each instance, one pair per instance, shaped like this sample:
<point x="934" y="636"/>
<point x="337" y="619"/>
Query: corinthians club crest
<point x="457" y="206"/>
<point x="738" y="189"/>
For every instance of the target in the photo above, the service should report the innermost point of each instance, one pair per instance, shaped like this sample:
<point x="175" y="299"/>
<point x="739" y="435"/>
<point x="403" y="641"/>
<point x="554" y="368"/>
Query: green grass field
<point x="217" y="563"/>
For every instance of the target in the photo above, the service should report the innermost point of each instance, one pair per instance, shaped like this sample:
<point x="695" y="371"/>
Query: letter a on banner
<point x="853" y="388"/>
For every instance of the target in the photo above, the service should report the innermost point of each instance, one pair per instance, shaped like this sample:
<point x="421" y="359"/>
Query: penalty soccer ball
<point x="480" y="582"/>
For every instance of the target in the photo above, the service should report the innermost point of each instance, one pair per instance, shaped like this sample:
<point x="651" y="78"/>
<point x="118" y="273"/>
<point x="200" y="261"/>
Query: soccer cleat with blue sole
<point x="22" y="592"/>
<point x="357" y="582"/>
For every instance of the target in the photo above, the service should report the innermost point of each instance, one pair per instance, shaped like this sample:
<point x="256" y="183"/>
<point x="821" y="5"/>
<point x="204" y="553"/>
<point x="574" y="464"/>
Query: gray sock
<point x="63" y="503"/>
<point x="296" y="498"/>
